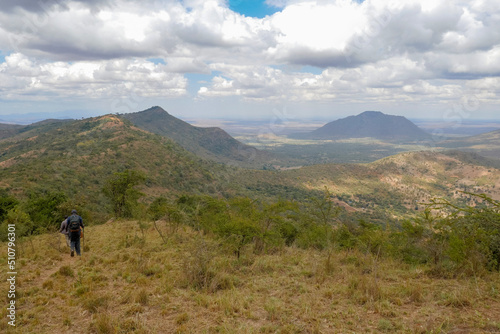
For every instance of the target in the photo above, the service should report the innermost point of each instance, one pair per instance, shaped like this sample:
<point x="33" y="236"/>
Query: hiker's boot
<point x="72" y="253"/>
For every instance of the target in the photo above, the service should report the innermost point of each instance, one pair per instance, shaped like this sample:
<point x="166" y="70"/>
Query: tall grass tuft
<point x="66" y="271"/>
<point x="103" y="324"/>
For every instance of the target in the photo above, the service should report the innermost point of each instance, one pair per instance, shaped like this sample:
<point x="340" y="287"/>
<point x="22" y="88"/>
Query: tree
<point x="43" y="209"/>
<point x="24" y="225"/>
<point x="161" y="208"/>
<point x="277" y="223"/>
<point x="325" y="212"/>
<point x="119" y="188"/>
<point x="6" y="203"/>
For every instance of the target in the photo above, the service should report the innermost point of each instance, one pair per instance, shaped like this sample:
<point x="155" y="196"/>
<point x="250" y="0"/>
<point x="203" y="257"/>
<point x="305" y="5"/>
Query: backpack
<point x="74" y="223"/>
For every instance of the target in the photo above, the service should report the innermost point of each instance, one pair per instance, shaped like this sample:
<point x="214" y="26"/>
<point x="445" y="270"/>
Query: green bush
<point x="22" y="221"/>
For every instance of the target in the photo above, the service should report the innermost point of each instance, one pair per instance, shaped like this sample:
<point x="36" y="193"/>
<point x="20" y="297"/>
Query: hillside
<point x="77" y="157"/>
<point x="132" y="282"/>
<point x="209" y="143"/>
<point x="262" y="253"/>
<point x="486" y="144"/>
<point x="373" y="124"/>
<point x="9" y="130"/>
<point x="390" y="187"/>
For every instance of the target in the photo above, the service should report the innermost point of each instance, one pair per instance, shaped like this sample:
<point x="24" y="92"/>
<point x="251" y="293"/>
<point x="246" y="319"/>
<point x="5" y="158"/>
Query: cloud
<point x="24" y="78"/>
<point x="376" y="51"/>
<point x="394" y="81"/>
<point x="77" y="34"/>
<point x="45" y="6"/>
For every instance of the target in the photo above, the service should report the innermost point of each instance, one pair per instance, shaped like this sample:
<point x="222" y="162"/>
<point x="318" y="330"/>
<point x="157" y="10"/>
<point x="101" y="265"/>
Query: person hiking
<point x="64" y="230"/>
<point x="75" y="228"/>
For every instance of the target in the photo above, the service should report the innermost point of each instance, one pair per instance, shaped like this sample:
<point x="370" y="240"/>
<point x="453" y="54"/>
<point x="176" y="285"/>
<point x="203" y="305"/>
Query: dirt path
<point x="50" y="268"/>
<point x="56" y="265"/>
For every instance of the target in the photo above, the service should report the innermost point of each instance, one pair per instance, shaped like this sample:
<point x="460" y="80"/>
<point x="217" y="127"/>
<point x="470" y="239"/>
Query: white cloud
<point x="23" y="78"/>
<point x="376" y="51"/>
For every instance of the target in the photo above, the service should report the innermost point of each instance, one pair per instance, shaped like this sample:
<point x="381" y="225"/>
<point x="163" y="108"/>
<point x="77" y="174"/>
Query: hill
<point x="11" y="130"/>
<point x="209" y="143"/>
<point x="486" y="144"/>
<point x="77" y="157"/>
<point x="373" y="124"/>
<point x="387" y="189"/>
<point x="8" y="130"/>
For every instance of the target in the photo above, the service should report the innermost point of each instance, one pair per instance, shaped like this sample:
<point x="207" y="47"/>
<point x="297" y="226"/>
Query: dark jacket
<point x="74" y="235"/>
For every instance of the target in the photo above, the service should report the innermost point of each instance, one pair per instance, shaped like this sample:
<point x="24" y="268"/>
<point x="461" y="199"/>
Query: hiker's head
<point x="73" y="212"/>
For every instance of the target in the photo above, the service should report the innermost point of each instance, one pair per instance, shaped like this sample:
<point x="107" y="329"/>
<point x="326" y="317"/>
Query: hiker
<point x="75" y="228"/>
<point x="64" y="230"/>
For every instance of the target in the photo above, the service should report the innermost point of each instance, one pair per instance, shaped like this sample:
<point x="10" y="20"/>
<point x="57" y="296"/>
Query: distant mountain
<point x="210" y="143"/>
<point x="10" y="130"/>
<point x="374" y="124"/>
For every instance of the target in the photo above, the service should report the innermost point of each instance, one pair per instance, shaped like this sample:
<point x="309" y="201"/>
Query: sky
<point x="247" y="59"/>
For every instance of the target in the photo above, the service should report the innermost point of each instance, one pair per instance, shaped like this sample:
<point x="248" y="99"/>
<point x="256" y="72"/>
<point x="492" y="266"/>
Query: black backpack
<point x="74" y="224"/>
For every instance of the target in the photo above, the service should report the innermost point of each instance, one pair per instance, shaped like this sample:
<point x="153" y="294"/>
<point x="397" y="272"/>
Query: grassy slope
<point x="126" y="284"/>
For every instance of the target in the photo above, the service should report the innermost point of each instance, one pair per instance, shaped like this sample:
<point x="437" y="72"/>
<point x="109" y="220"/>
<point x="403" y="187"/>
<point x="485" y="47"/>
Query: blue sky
<point x="253" y="8"/>
<point x="325" y="59"/>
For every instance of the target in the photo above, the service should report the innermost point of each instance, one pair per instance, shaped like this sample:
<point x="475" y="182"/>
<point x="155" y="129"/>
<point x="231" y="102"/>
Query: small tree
<point x="162" y="209"/>
<point x="119" y="188"/>
<point x="325" y="211"/>
<point x="6" y="203"/>
<point x="276" y="224"/>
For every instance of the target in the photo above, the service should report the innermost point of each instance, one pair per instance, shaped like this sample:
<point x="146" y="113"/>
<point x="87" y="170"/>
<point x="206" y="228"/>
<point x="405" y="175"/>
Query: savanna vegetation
<point x="200" y="264"/>
<point x="174" y="244"/>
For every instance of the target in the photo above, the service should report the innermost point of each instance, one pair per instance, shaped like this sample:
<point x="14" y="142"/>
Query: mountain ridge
<point x="78" y="157"/>
<point x="211" y="143"/>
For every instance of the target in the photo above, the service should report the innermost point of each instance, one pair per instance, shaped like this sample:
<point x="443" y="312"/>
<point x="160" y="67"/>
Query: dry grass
<point x="125" y="284"/>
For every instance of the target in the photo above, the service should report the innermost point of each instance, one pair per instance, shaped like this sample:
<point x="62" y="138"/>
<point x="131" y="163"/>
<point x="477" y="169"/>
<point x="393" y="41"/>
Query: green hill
<point x="77" y="157"/>
<point x="9" y="130"/>
<point x="209" y="143"/>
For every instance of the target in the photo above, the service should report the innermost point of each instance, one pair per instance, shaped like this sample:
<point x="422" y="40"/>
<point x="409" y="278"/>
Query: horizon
<point x="283" y="123"/>
<point x="243" y="59"/>
<point x="31" y="118"/>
